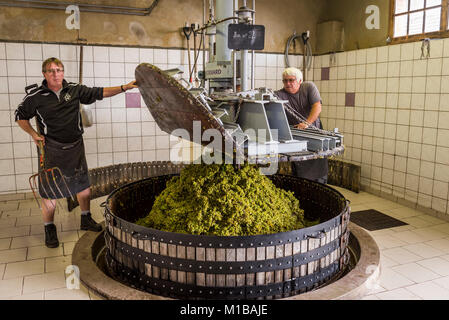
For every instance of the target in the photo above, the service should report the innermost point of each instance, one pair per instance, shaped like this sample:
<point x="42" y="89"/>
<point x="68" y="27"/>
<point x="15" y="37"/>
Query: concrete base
<point x="354" y="285"/>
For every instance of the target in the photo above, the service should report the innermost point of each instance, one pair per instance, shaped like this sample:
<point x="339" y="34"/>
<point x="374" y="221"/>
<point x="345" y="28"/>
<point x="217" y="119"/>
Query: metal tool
<point x="46" y="175"/>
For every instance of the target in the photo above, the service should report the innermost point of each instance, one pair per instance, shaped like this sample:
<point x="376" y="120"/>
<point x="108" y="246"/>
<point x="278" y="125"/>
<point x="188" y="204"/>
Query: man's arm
<point x="313" y="115"/>
<point x="26" y="126"/>
<point x="112" y="91"/>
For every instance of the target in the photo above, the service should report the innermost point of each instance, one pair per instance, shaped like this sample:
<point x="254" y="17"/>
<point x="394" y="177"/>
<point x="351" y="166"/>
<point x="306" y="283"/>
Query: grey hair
<point x="293" y="72"/>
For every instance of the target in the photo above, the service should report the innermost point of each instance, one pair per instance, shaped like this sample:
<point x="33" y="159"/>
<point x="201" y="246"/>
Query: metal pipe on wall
<point x="85" y="7"/>
<point x="80" y="4"/>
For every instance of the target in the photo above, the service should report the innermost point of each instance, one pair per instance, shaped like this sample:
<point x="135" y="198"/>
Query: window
<point x="413" y="19"/>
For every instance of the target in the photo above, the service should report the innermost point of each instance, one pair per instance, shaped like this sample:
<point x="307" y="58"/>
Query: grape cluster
<point x="223" y="200"/>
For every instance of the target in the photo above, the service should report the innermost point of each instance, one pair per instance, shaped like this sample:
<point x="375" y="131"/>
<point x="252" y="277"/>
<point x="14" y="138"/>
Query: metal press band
<point x="175" y="289"/>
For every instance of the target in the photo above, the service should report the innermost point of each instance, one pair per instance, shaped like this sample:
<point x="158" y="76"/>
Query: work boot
<point x="87" y="223"/>
<point x="51" y="238"/>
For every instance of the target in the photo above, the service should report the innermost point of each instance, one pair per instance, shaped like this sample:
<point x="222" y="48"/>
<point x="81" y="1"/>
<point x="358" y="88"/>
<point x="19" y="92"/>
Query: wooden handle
<point x="41" y="157"/>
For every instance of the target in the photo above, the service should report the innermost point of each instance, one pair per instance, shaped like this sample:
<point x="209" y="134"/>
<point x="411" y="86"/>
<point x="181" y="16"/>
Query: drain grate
<point x="374" y="220"/>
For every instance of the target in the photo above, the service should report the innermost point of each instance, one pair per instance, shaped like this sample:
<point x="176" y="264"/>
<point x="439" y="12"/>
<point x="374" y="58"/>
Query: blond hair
<point x="49" y="61"/>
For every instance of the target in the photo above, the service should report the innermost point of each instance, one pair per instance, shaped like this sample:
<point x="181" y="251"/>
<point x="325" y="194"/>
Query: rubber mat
<point x="374" y="220"/>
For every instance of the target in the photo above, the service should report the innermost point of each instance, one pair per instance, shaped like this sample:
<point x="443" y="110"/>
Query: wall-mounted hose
<point x="307" y="50"/>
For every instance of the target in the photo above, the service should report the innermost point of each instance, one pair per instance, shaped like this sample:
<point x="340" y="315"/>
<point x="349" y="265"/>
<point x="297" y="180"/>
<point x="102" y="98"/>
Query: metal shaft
<point x="244" y="69"/>
<point x="252" y="51"/>
<point x="223" y="9"/>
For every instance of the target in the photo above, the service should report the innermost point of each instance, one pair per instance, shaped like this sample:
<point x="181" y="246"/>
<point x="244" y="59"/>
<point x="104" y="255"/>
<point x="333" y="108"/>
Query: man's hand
<point x="37" y="138"/>
<point x="301" y="125"/>
<point x="131" y="85"/>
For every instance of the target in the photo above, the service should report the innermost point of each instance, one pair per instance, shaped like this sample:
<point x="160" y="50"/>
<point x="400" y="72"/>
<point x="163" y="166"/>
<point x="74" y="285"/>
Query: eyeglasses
<point x="288" y="80"/>
<point x="54" y="70"/>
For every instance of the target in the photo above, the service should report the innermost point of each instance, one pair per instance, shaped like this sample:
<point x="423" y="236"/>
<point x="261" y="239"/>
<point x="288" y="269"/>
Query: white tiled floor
<point x="30" y="270"/>
<point x="414" y="258"/>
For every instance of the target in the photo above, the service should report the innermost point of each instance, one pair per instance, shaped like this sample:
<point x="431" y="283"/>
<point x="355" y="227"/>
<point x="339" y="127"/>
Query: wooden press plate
<point x="173" y="106"/>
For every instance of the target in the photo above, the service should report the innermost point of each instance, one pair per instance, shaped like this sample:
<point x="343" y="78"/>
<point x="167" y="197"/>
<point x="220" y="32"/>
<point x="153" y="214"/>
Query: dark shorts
<point x="70" y="158"/>
<point x="315" y="170"/>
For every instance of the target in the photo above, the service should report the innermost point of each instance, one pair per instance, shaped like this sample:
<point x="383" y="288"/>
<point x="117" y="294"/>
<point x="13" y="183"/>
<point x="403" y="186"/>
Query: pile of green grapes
<point x="224" y="201"/>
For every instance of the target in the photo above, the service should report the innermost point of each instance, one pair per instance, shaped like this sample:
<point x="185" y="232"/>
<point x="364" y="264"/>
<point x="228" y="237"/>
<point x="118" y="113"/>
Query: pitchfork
<point x="47" y="175"/>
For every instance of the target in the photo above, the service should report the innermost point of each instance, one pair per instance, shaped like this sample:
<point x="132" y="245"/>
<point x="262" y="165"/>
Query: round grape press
<point x="221" y="267"/>
<point x="154" y="263"/>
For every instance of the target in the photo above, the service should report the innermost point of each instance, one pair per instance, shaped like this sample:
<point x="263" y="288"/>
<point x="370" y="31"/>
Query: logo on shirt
<point x="67" y="97"/>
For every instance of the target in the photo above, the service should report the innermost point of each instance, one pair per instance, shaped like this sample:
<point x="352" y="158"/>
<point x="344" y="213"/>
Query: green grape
<point x="224" y="201"/>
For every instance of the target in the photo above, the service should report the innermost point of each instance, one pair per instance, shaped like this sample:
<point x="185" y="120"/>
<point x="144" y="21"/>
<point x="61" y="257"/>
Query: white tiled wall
<point x="398" y="130"/>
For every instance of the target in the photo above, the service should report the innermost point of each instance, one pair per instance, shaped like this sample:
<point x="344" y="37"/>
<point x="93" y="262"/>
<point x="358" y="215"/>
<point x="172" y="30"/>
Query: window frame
<point x="443" y="33"/>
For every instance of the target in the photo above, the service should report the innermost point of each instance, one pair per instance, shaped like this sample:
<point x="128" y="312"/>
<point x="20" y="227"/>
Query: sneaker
<point x="87" y="223"/>
<point x="51" y="238"/>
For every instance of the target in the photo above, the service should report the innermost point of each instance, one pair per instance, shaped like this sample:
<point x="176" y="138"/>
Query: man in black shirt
<point x="56" y="104"/>
<point x="304" y="98"/>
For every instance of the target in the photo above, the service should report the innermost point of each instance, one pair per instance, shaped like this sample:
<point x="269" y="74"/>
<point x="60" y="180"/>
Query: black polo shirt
<point x="58" y="118"/>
